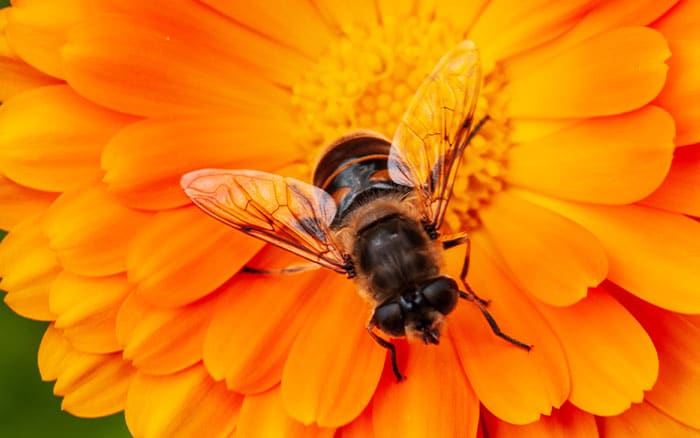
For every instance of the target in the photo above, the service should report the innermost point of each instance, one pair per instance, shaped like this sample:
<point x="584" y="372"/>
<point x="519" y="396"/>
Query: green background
<point x="28" y="407"/>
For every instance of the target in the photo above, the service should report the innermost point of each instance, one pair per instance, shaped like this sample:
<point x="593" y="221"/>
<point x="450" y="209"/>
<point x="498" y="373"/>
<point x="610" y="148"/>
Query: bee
<point x="375" y="207"/>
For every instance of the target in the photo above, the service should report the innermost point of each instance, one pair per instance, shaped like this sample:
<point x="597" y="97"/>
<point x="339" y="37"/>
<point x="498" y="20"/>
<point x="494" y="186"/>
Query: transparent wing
<point x="283" y="211"/>
<point x="431" y="137"/>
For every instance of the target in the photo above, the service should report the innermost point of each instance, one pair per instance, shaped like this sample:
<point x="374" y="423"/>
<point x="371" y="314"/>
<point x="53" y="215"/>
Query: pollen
<point x="367" y="80"/>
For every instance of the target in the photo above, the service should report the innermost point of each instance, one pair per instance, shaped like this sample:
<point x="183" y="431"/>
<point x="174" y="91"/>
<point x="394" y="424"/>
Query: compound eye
<point x="442" y="294"/>
<point x="389" y="319"/>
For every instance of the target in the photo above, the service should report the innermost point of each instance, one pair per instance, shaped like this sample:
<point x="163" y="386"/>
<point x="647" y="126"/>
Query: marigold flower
<point x="581" y="197"/>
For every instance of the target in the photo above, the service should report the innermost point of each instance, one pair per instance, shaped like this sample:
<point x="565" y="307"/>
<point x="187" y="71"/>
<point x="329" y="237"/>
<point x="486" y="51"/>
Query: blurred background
<point x="28" y="407"/>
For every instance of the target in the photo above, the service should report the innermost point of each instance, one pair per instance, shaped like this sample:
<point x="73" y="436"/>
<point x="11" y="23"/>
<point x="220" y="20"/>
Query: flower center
<point x="367" y="80"/>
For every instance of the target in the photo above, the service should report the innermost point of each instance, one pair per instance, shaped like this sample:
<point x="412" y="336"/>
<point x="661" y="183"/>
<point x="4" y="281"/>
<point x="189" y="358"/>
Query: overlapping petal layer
<point x="51" y="138"/>
<point x="514" y="384"/>
<point x="92" y="385"/>
<point x="86" y="310"/>
<point x="147" y="293"/>
<point x="28" y="268"/>
<point x="185" y="404"/>
<point x="180" y="256"/>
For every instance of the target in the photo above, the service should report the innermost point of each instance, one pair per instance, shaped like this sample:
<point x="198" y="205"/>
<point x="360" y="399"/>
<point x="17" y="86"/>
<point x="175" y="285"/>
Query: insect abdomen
<point x="353" y="170"/>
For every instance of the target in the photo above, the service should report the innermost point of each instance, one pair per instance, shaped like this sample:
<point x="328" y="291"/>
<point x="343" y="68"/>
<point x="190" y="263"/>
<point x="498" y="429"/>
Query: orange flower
<point x="577" y="195"/>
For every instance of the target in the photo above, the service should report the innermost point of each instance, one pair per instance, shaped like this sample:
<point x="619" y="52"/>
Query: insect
<point x="375" y="208"/>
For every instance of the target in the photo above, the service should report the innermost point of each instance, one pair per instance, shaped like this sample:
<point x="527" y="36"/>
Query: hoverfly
<point x="375" y="208"/>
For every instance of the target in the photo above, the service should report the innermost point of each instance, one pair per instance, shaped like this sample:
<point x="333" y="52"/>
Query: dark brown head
<point x="420" y="313"/>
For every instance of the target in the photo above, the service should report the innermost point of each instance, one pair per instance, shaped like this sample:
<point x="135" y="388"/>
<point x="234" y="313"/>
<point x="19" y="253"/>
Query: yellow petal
<point x="551" y="257"/>
<point x="93" y="244"/>
<point x="19" y="202"/>
<point x="86" y="310"/>
<point x="28" y="268"/>
<point x="17" y="77"/>
<point x="92" y="385"/>
<point x="182" y="404"/>
<point x="37" y="29"/>
<point x="584" y="81"/>
<point x="345" y="15"/>
<point x="163" y="340"/>
<point x="611" y="160"/>
<point x="51" y="138"/>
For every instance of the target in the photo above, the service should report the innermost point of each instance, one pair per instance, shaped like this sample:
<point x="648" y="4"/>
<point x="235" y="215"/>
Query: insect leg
<point x="454" y="240"/>
<point x="489" y="318"/>
<point x="472" y="296"/>
<point x="392" y="350"/>
<point x="288" y="270"/>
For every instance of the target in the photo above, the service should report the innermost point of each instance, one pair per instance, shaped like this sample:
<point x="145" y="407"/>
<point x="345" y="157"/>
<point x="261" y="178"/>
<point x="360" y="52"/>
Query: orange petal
<point x="263" y="415"/>
<point x="28" y="268"/>
<point x="19" y="202"/>
<point x="51" y="139"/>
<point x="159" y="60"/>
<point x="567" y="422"/>
<point x="143" y="170"/>
<point x="346" y="16"/>
<point x="182" y="255"/>
<point x="611" y="359"/>
<point x="92" y="385"/>
<point x="613" y="160"/>
<point x="584" y="81"/>
<point x="280" y="21"/>
<point x="361" y="427"/>
<point x="251" y="360"/>
<point x="394" y="9"/>
<point x="680" y="191"/>
<point x="36" y="30"/>
<point x="434" y="400"/>
<point x="651" y="253"/>
<point x="677" y="390"/>
<point x="93" y="244"/>
<point x="643" y="420"/>
<point x="163" y="341"/>
<point x="681" y="22"/>
<point x="516" y="385"/>
<point x="86" y="310"/>
<point x="682" y="90"/>
<point x="182" y="404"/>
<point x="17" y="77"/>
<point x="554" y="259"/>
<point x="603" y="17"/>
<point x="334" y="366"/>
<point x="506" y="28"/>
<point x="462" y="15"/>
